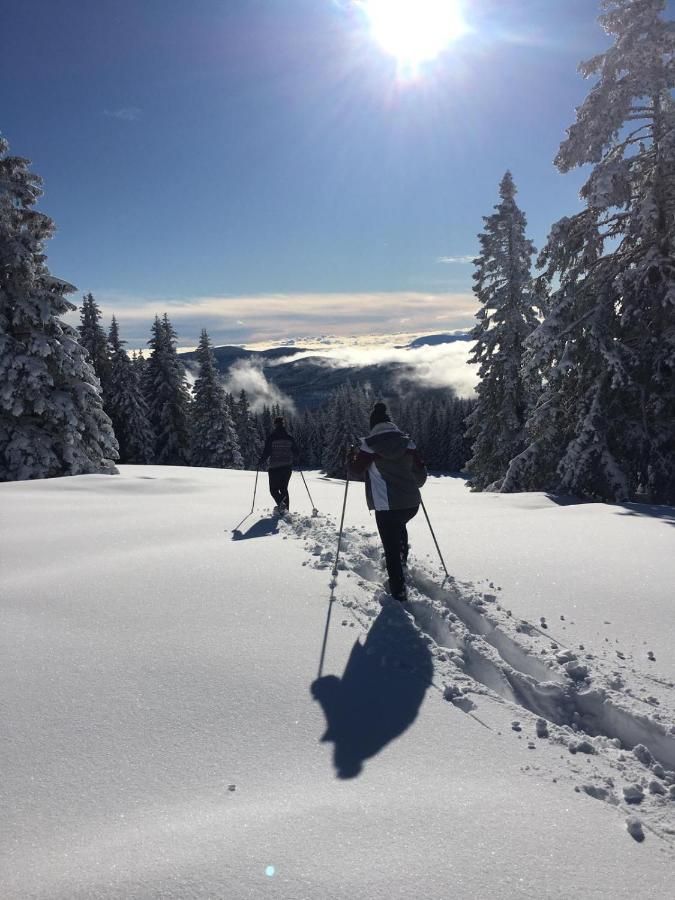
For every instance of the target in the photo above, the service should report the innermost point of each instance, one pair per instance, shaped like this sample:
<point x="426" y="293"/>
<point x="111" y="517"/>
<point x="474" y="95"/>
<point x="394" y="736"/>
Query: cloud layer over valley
<point x="444" y="365"/>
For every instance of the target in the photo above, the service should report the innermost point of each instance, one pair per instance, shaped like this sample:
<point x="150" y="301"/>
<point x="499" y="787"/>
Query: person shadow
<point x="261" y="528"/>
<point x="380" y="692"/>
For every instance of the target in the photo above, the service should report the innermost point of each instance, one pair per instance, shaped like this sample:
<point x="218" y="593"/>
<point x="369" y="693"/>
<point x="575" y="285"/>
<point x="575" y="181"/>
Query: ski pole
<point x="325" y="634"/>
<point x="255" y="488"/>
<point x="342" y="522"/>
<point x="445" y="568"/>
<point x="333" y="581"/>
<point x="315" y="511"/>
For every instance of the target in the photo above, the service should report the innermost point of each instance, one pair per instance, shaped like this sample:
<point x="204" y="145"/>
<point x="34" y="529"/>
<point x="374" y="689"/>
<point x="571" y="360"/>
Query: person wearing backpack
<point x="394" y="473"/>
<point x="281" y="450"/>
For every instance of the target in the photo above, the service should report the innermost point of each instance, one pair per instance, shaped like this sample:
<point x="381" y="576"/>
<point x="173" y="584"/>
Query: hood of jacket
<point x="387" y="440"/>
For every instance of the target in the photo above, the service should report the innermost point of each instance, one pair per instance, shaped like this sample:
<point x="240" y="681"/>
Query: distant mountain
<point x="433" y="340"/>
<point x="225" y="356"/>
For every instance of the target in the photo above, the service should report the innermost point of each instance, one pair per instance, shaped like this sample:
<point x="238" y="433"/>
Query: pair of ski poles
<point x="333" y="581"/>
<point x="315" y="511"/>
<point x="349" y="453"/>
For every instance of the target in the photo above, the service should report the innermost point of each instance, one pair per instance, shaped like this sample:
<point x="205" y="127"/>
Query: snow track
<point x="481" y="648"/>
<point x="522" y="678"/>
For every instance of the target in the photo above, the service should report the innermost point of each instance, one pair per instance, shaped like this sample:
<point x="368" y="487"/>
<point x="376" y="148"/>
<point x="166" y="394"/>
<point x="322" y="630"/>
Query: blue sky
<point x="250" y="165"/>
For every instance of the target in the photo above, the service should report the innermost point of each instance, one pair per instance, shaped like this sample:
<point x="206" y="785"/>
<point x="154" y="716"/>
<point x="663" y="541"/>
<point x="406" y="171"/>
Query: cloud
<point x="435" y="366"/>
<point x="282" y="317"/>
<point x="247" y="375"/>
<point x="124" y="113"/>
<point x="460" y="260"/>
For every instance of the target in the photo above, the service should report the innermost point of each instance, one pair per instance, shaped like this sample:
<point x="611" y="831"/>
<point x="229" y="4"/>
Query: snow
<point x="163" y="717"/>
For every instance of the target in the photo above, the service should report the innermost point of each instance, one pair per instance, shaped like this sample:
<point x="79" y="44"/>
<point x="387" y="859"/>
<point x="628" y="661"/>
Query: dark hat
<point x="379" y="414"/>
<point x="279" y="422"/>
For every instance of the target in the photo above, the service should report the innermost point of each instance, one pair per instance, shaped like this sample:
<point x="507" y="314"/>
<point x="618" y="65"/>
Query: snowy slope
<point x="163" y="716"/>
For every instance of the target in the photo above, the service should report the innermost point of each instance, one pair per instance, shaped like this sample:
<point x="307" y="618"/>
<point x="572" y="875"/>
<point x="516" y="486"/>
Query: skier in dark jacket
<point x="280" y="449"/>
<point x="394" y="474"/>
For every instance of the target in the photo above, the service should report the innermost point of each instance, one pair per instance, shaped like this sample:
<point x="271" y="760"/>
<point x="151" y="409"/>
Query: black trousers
<point x="279" y="477"/>
<point x="391" y="523"/>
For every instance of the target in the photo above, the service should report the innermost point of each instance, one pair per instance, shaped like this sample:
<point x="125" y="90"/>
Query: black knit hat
<point x="279" y="422"/>
<point x="379" y="415"/>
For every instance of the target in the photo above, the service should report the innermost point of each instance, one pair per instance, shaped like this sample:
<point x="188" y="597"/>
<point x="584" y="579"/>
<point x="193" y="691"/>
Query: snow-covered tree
<point x="459" y="445"/>
<point x="346" y="423"/>
<point x="264" y="424"/>
<point x="93" y="339"/>
<point x="308" y="433"/>
<point x="126" y="403"/>
<point x="214" y="440"/>
<point x="51" y="417"/>
<point x="139" y="364"/>
<point x="503" y="284"/>
<point x="604" y="424"/>
<point x="250" y="442"/>
<point x="411" y="418"/>
<point x="167" y="396"/>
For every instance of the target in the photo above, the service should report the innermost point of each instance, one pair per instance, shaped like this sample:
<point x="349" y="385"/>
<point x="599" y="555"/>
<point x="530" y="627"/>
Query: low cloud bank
<point x="248" y="375"/>
<point x="438" y="366"/>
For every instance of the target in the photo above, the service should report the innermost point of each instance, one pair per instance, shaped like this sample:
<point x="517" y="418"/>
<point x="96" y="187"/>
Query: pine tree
<point x="417" y="426"/>
<point x="347" y="423"/>
<point x="460" y="444"/>
<point x="167" y="396"/>
<point x="264" y="424"/>
<point x="309" y="438"/>
<point x="604" y="425"/>
<point x="250" y="442"/>
<point x="445" y="434"/>
<point x="126" y="404"/>
<point x="93" y="339"/>
<point x="51" y="417"/>
<point x="139" y="364"/>
<point x="214" y="437"/>
<point x="503" y="284"/>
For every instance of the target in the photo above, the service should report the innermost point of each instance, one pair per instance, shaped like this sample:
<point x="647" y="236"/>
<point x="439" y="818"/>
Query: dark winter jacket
<point x="393" y="468"/>
<point x="280" y="449"/>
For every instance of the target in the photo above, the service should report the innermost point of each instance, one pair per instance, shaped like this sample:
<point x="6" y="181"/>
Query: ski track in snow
<point x="616" y="750"/>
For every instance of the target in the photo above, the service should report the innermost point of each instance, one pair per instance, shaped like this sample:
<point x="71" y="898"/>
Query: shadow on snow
<point x="649" y="510"/>
<point x="380" y="692"/>
<point x="635" y="509"/>
<point x="261" y="528"/>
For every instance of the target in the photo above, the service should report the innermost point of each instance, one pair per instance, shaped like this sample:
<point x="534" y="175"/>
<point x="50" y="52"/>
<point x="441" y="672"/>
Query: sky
<point x="267" y="170"/>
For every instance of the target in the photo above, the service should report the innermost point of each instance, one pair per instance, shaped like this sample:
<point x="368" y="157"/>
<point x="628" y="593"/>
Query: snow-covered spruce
<point x="167" y="396"/>
<point x="308" y="429"/>
<point x="51" y="416"/>
<point x="604" y="424"/>
<point x="347" y="423"/>
<point x="504" y="286"/>
<point x="126" y="404"/>
<point x="438" y="427"/>
<point x="250" y="442"/>
<point x="213" y="437"/>
<point x="93" y="339"/>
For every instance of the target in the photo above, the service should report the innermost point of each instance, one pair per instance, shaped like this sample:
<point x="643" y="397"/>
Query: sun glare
<point x="414" y="31"/>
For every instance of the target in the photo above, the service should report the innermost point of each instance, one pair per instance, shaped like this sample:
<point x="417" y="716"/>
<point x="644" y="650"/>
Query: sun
<point x="414" y="31"/>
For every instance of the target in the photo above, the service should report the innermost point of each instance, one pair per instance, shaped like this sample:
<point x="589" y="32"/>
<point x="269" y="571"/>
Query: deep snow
<point x="163" y="716"/>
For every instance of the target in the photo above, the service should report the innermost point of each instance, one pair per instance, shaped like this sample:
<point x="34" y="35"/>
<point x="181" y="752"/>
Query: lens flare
<point x="414" y="31"/>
